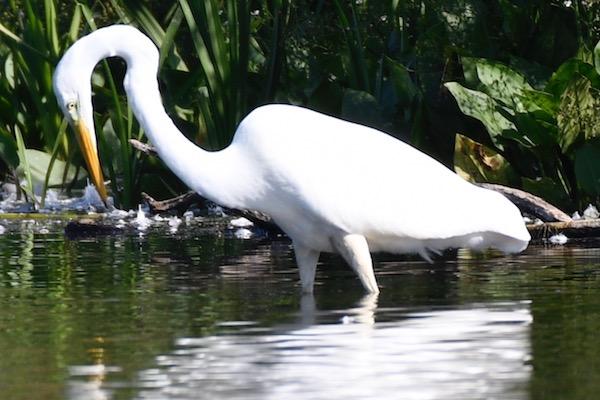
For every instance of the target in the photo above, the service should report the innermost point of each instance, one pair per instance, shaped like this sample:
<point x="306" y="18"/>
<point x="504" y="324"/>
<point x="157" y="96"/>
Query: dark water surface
<point x="197" y="315"/>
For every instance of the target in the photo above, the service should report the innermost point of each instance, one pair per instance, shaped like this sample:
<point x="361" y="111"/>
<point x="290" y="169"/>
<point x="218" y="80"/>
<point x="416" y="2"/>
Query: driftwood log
<point x="530" y="204"/>
<point x="89" y="227"/>
<point x="583" y="228"/>
<point x="178" y="204"/>
<point x="189" y="199"/>
<point x="554" y="220"/>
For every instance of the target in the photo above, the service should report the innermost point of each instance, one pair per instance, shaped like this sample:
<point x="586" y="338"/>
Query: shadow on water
<point x="198" y="315"/>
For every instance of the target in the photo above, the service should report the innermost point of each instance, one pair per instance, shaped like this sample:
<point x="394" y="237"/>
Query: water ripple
<point x="476" y="352"/>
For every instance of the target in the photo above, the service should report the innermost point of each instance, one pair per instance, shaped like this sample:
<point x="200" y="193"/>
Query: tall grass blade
<point x="74" y="26"/>
<point x="55" y="151"/>
<point x="168" y="44"/>
<point x="280" y="10"/>
<point x="215" y="37"/>
<point x="125" y="197"/>
<point x="50" y="26"/>
<point x="22" y="43"/>
<point x="24" y="163"/>
<point x="214" y="85"/>
<point x="358" y="66"/>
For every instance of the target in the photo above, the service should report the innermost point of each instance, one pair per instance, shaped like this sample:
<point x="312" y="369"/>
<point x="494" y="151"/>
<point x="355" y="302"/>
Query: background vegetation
<point x="504" y="90"/>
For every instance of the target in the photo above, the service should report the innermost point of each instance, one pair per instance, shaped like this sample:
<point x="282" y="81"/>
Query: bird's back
<point x="333" y="174"/>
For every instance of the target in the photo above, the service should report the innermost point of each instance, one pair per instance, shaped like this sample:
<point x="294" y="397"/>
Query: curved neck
<point x="205" y="172"/>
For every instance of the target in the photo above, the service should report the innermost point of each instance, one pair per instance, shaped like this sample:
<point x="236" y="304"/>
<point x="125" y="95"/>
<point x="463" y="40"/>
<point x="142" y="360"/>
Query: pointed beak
<point x="91" y="157"/>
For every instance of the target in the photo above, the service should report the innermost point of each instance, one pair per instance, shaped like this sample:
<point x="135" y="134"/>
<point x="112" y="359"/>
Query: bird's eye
<point x="72" y="110"/>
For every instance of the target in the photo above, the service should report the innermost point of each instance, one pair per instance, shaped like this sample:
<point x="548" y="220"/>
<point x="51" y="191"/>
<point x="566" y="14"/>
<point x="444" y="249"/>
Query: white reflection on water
<point x="475" y="352"/>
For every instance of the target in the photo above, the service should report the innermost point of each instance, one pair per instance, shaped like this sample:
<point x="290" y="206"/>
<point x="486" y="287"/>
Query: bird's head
<point x="72" y="87"/>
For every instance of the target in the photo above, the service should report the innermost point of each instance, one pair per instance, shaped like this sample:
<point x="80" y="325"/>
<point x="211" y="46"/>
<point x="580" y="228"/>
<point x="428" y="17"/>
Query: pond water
<point x="199" y="314"/>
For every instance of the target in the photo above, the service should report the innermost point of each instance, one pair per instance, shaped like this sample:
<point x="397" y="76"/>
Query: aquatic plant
<point x="32" y="127"/>
<point x="29" y="117"/>
<point x="548" y="136"/>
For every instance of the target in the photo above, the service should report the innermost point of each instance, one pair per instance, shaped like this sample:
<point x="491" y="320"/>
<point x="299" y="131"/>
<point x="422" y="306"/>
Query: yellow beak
<point x="91" y="157"/>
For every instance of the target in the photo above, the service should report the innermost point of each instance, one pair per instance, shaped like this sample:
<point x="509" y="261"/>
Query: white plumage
<point x="331" y="185"/>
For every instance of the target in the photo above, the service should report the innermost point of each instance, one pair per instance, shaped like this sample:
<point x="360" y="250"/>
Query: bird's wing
<point x="358" y="179"/>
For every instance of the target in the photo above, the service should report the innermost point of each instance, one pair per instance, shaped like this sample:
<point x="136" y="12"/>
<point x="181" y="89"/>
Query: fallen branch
<point x="530" y="204"/>
<point x="145" y="148"/>
<point x="178" y="204"/>
<point x="185" y="201"/>
<point x="584" y="228"/>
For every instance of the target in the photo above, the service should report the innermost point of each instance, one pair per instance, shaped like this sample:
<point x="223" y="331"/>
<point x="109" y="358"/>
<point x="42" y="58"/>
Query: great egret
<point x="331" y="185"/>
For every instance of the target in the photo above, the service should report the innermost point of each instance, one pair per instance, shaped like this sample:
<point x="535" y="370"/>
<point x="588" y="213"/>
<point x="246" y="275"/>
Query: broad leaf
<point x="469" y="65"/>
<point x="9" y="71"/>
<point x="8" y="149"/>
<point x="565" y="74"/>
<point x="503" y="83"/>
<point x="532" y="131"/>
<point x="536" y="74"/>
<point x="538" y="100"/>
<point x="579" y="113"/>
<point x="39" y="162"/>
<point x="597" y="58"/>
<point x="403" y="85"/>
<point x="475" y="162"/>
<point x="482" y="107"/>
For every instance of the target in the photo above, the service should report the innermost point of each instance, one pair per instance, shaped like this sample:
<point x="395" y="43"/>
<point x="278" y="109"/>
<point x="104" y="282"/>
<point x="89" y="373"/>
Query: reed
<point x="30" y="117"/>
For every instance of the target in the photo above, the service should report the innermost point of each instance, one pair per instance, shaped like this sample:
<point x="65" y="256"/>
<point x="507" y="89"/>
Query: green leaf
<point x="475" y="162"/>
<point x="539" y="100"/>
<point x="59" y="138"/>
<point x="533" y="131"/>
<point x="8" y="149"/>
<point x="209" y="68"/>
<point x="565" y="74"/>
<point x="469" y="65"/>
<point x="357" y="67"/>
<point x="39" y="163"/>
<point x="587" y="168"/>
<point x="9" y="71"/>
<point x="110" y="146"/>
<point x="579" y="113"/>
<point x="75" y="24"/>
<point x="167" y="48"/>
<point x="51" y="26"/>
<point x="536" y="74"/>
<point x="597" y="58"/>
<point x="502" y="83"/>
<point x="24" y="166"/>
<point x="403" y="85"/>
<point x="482" y="107"/>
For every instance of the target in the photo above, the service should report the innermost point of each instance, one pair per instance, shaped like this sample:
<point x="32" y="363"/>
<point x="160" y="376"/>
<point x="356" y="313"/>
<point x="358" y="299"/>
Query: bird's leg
<point x="306" y="258"/>
<point x="355" y="250"/>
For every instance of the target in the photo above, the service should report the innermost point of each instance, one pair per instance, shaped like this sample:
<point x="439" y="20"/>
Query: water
<point x="199" y="314"/>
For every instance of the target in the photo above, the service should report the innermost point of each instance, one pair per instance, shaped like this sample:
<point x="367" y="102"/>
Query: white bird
<point x="331" y="185"/>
